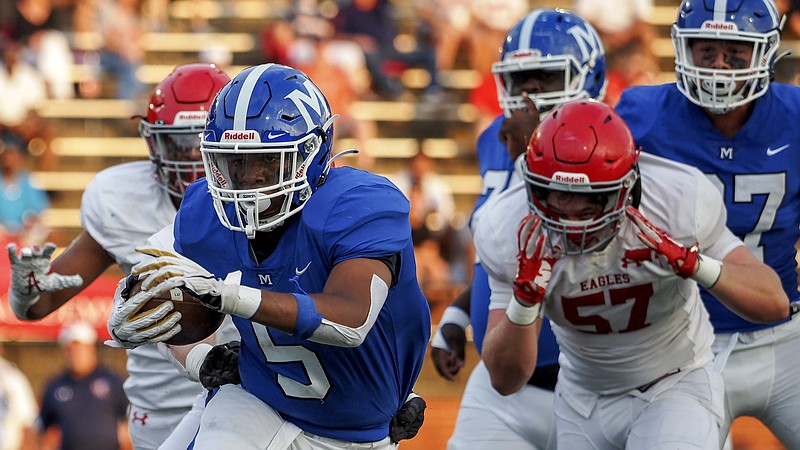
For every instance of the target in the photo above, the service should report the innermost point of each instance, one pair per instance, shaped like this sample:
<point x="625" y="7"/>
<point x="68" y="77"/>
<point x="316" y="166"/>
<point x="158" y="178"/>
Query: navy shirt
<point x="86" y="410"/>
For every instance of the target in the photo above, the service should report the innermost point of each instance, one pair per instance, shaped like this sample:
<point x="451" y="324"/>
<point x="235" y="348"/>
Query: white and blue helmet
<point x="266" y="147"/>
<point x="754" y="22"/>
<point x="551" y="40"/>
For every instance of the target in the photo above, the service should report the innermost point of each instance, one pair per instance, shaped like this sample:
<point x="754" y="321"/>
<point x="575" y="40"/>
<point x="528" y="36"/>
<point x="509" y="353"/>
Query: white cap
<point x="77" y="332"/>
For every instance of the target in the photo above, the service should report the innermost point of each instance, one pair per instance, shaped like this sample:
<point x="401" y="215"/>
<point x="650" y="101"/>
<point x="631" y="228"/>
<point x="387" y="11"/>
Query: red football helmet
<point x="584" y="151"/>
<point x="176" y="117"/>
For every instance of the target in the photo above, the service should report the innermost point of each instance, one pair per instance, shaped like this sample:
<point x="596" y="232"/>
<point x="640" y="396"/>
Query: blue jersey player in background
<point x="314" y="263"/>
<point x="728" y="118"/>
<point x="548" y="57"/>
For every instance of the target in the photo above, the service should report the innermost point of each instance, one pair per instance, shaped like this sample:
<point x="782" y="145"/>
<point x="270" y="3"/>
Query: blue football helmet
<point x="754" y="22"/>
<point x="551" y="40"/>
<point x="266" y="147"/>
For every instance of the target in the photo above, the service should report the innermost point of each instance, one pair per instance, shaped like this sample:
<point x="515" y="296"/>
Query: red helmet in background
<point x="176" y="117"/>
<point x="582" y="148"/>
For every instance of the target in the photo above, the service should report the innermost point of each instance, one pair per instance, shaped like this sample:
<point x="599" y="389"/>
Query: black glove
<point x="221" y="366"/>
<point x="406" y="423"/>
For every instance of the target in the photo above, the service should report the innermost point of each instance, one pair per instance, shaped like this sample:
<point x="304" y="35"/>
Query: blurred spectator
<point x="17" y="408"/>
<point x="122" y="53"/>
<point x="432" y="269"/>
<point x="627" y="37"/>
<point x="786" y="68"/>
<point x="217" y="53"/>
<point x="624" y="25"/>
<point x="21" y="203"/>
<point x="23" y="90"/>
<point x="22" y="87"/>
<point x="276" y="39"/>
<point x="432" y="214"/>
<point x="491" y="21"/>
<point x="371" y="24"/>
<point x="450" y="22"/>
<point x="629" y="67"/>
<point x="47" y="47"/>
<point x="435" y="191"/>
<point x="84" y="407"/>
<point x="309" y="53"/>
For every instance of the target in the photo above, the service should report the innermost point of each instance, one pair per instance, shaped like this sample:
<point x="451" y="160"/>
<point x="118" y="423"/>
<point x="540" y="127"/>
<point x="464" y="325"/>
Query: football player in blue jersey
<point x="726" y="116"/>
<point x="314" y="263"/>
<point x="549" y="57"/>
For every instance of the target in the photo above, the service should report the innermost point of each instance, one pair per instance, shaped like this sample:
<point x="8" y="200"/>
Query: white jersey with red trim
<point x="121" y="208"/>
<point x="621" y="323"/>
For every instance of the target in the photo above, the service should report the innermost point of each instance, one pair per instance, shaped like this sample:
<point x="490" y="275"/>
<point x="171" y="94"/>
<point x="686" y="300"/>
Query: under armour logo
<point x="141" y="419"/>
<point x="636" y="255"/>
<point x="33" y="283"/>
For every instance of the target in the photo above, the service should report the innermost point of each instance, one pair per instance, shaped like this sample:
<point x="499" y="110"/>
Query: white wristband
<point x="455" y="316"/>
<point x="194" y="360"/>
<point x="708" y="271"/>
<point x="522" y="315"/>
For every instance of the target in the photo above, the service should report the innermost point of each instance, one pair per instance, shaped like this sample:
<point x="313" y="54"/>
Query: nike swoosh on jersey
<point x="273" y="136"/>
<point x="771" y="152"/>
<point x="299" y="272"/>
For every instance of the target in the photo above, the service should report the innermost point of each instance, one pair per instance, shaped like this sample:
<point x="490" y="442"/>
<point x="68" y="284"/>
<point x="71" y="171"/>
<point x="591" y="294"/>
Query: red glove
<point x="683" y="260"/>
<point x="533" y="268"/>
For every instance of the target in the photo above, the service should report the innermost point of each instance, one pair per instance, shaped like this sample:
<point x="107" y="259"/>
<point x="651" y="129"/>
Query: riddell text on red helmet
<point x="190" y="116"/>
<point x="570" y="177"/>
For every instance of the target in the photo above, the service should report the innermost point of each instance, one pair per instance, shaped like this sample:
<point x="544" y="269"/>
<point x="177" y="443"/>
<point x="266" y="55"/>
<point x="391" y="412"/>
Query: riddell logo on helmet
<point x="566" y="177"/>
<point x="719" y="26"/>
<point x="240" y="136"/>
<point x="190" y="117"/>
<point x="527" y="53"/>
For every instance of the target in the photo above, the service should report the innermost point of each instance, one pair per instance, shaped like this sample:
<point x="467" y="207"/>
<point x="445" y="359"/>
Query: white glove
<point x="131" y="327"/>
<point x="30" y="276"/>
<point x="169" y="270"/>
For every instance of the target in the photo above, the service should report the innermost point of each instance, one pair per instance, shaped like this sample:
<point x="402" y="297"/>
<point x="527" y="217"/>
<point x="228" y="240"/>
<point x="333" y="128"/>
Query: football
<point x="197" y="321"/>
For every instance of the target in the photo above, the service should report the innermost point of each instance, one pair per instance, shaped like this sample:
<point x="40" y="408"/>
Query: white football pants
<point x="762" y="378"/>
<point x="682" y="411"/>
<point x="237" y="419"/>
<point x="523" y="420"/>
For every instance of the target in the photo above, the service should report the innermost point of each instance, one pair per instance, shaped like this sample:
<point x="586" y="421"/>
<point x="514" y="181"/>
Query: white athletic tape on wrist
<point x="194" y="360"/>
<point x="239" y="300"/>
<point x="455" y="316"/>
<point x="522" y="315"/>
<point x="708" y="271"/>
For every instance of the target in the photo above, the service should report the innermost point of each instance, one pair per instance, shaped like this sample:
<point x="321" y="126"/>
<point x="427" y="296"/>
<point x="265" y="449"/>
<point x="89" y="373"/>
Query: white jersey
<point x="121" y="208"/>
<point x="621" y="324"/>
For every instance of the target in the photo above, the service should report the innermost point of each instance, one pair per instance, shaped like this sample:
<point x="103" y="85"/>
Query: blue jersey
<point x="496" y="167"/>
<point x="342" y="393"/>
<point x="757" y="171"/>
